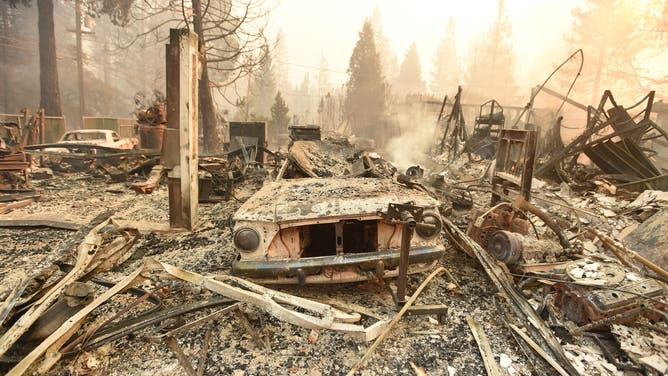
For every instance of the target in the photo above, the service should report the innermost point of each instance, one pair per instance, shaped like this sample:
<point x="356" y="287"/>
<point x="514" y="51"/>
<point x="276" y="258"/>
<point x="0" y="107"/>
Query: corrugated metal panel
<point x="621" y="157"/>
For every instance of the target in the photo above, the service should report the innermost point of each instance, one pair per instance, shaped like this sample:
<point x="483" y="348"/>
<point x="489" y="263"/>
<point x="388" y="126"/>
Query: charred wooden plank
<point x="484" y="347"/>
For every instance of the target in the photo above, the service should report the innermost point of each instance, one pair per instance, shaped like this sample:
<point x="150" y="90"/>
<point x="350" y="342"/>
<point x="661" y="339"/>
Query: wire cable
<point x="540" y="88"/>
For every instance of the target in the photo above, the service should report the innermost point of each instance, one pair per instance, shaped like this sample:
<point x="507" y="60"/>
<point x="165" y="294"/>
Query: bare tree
<point x="232" y="44"/>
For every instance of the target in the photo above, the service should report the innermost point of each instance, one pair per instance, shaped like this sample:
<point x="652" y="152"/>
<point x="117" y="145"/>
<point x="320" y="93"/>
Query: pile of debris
<point x="619" y="142"/>
<point x="550" y="278"/>
<point x="150" y="110"/>
<point x="13" y="139"/>
<point x="555" y="242"/>
<point x="332" y="158"/>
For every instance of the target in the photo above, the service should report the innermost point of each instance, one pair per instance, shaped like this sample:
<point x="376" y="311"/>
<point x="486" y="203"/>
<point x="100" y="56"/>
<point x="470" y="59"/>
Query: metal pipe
<point x="406" y="235"/>
<point x="618" y="250"/>
<point x="408" y="219"/>
<point x="525" y="205"/>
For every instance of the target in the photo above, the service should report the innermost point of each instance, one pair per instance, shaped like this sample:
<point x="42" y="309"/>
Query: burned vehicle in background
<point x="92" y="138"/>
<point x="322" y="220"/>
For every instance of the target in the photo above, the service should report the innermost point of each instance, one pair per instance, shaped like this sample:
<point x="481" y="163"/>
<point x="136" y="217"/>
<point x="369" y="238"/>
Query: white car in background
<point x="98" y="137"/>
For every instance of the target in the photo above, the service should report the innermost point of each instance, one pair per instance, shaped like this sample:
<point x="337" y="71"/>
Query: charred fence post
<point x="179" y="152"/>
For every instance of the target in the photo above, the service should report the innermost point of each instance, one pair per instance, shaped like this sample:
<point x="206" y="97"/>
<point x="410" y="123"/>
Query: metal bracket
<point x="394" y="212"/>
<point x="408" y="215"/>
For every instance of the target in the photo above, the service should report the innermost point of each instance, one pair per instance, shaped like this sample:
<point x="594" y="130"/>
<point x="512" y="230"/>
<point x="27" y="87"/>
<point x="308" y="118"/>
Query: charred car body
<point x="328" y="230"/>
<point x="91" y="138"/>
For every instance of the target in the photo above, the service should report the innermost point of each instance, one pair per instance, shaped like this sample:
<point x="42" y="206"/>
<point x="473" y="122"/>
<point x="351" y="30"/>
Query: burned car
<point x="328" y="230"/>
<point x="93" y="137"/>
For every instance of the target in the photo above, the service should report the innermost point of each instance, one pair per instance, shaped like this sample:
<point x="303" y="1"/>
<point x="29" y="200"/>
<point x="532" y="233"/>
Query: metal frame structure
<point x="456" y="119"/>
<point x="514" y="164"/>
<point x="486" y="130"/>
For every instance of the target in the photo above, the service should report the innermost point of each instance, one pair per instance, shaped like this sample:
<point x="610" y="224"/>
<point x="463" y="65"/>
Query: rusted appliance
<point x="617" y="302"/>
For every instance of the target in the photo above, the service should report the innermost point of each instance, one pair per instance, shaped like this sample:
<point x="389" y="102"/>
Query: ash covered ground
<point x="439" y="348"/>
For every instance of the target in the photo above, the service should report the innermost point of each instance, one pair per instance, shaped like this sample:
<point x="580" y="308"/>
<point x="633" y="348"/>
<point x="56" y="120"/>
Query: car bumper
<point x="336" y="269"/>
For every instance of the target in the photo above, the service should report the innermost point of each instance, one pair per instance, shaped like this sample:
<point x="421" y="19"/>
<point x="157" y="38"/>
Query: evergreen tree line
<point x="621" y="38"/>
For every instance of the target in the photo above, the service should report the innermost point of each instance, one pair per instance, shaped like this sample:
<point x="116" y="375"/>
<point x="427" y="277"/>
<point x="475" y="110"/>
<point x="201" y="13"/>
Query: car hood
<point x="313" y="198"/>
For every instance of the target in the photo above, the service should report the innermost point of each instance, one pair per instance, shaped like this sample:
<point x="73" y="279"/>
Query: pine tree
<point x="445" y="76"/>
<point x="410" y="73"/>
<point x="388" y="59"/>
<point x="324" y="84"/>
<point x="329" y="111"/>
<point x="365" y="89"/>
<point x="279" y="116"/>
<point x="491" y="73"/>
<point x="263" y="89"/>
<point x="302" y="100"/>
<point x="280" y="54"/>
<point x="612" y="37"/>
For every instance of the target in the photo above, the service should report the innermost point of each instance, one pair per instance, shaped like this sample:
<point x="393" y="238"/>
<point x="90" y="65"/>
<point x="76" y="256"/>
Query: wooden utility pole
<point x="179" y="152"/>
<point x="3" y="53"/>
<point x="248" y="94"/>
<point x="80" y="69"/>
<point x="108" y="86"/>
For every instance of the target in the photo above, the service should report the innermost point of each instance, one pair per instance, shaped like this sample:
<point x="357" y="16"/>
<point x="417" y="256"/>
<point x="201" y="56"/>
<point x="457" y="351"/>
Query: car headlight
<point x="430" y="226"/>
<point x="246" y="239"/>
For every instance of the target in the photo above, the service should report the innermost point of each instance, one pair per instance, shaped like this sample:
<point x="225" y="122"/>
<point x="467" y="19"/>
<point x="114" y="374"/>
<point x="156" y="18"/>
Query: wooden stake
<point x="483" y="345"/>
<point x="396" y="319"/>
<point x="538" y="350"/>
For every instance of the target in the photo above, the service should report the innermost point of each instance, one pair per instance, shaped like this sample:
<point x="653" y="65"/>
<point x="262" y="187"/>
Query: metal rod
<point x="406" y="235"/>
<point x="369" y="353"/>
<point x="403" y="264"/>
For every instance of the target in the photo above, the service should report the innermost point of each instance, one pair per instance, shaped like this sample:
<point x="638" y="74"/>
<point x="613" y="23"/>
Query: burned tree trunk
<point x="206" y="106"/>
<point x="48" y="68"/>
<point x="207" y="109"/>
